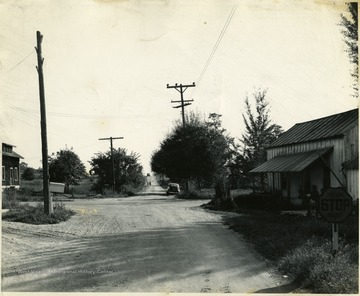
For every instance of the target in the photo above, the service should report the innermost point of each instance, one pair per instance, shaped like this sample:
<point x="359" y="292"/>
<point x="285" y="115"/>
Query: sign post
<point x="335" y="237"/>
<point x="335" y="206"/>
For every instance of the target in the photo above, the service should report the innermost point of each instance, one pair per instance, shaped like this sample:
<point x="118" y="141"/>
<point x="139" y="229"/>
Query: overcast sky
<point x="107" y="64"/>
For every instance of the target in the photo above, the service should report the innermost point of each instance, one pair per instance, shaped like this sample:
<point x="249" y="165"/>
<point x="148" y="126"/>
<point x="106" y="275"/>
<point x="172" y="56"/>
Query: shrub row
<point x="194" y="195"/>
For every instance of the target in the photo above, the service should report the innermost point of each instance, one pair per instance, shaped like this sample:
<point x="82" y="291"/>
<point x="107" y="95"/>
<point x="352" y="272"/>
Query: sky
<point x="107" y="64"/>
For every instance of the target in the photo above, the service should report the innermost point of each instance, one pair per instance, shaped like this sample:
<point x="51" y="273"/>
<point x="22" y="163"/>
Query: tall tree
<point x="350" y="32"/>
<point x="66" y="167"/>
<point x="128" y="171"/>
<point x="259" y="133"/>
<point x="199" y="151"/>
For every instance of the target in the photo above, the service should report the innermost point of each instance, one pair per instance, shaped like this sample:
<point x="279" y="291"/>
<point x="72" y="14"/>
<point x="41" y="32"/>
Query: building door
<point x="285" y="184"/>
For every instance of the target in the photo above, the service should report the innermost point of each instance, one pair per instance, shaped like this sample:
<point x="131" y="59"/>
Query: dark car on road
<point x="173" y="188"/>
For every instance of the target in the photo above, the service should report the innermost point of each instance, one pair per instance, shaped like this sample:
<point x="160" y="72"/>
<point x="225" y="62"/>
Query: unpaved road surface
<point x="151" y="243"/>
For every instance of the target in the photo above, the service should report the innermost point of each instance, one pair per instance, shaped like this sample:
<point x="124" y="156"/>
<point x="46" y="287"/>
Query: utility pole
<point x="112" y="157"/>
<point x="183" y="103"/>
<point x="48" y="208"/>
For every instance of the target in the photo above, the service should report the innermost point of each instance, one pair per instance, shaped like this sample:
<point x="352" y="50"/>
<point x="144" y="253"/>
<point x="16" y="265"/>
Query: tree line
<point x="203" y="152"/>
<point x="66" y="167"/>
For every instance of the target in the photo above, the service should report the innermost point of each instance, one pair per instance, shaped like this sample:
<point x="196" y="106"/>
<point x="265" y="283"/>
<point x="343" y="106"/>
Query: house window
<point x="16" y="174"/>
<point x="3" y="173"/>
<point x="11" y="176"/>
<point x="6" y="148"/>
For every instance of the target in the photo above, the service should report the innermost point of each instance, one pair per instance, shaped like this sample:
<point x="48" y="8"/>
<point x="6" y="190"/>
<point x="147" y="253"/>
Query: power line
<point x="222" y="33"/>
<point x="17" y="64"/>
<point x="36" y="118"/>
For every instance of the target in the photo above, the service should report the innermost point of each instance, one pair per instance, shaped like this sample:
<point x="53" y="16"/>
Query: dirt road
<point x="151" y="243"/>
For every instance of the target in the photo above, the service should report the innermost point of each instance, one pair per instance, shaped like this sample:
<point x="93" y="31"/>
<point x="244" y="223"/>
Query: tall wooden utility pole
<point x="48" y="208"/>
<point x="181" y="89"/>
<point x="183" y="103"/>
<point x="112" y="157"/>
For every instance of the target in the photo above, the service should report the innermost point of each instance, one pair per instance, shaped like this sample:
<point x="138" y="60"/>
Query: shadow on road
<point x="151" y="193"/>
<point x="133" y="261"/>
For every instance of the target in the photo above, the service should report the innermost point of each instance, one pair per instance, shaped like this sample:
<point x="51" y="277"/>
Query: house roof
<point x="323" y="128"/>
<point x="12" y="154"/>
<point x="296" y="162"/>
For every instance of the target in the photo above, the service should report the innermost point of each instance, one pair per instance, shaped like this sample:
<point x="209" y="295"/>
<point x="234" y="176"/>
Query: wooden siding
<point x="352" y="183"/>
<point x="344" y="149"/>
<point x="315" y="175"/>
<point x="351" y="143"/>
<point x="337" y="156"/>
<point x="8" y="163"/>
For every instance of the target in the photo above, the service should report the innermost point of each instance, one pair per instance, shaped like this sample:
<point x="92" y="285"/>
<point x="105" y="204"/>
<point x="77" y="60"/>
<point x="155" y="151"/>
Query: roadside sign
<point x="56" y="187"/>
<point x="335" y="205"/>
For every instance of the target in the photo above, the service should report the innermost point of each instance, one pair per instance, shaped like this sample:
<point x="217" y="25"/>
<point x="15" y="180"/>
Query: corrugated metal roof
<point x="327" y="127"/>
<point x="296" y="162"/>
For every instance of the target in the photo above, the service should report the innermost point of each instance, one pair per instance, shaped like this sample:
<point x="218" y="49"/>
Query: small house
<point x="313" y="156"/>
<point x="10" y="166"/>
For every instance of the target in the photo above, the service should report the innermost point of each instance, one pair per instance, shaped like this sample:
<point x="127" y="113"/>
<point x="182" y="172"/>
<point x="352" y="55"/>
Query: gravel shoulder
<point x="150" y="243"/>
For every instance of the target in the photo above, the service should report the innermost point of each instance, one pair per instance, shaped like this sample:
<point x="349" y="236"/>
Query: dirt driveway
<point x="151" y="243"/>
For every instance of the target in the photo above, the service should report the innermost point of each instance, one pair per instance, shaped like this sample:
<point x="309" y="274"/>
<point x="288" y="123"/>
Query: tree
<point x="23" y="165"/>
<point x="66" y="167"/>
<point x="350" y="32"/>
<point x="128" y="171"/>
<point x="259" y="133"/>
<point x="199" y="151"/>
<point x="28" y="174"/>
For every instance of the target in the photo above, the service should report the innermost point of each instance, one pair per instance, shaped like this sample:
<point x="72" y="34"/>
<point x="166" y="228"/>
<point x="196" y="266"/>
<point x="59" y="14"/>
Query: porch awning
<point x="296" y="162"/>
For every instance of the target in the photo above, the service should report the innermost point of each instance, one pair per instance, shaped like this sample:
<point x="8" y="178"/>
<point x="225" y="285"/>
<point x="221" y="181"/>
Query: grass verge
<point x="301" y="248"/>
<point x="35" y="215"/>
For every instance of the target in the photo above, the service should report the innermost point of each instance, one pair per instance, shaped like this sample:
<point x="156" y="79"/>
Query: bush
<point x="35" y="215"/>
<point x="314" y="263"/>
<point x="28" y="174"/>
<point x="299" y="261"/>
<point x="264" y="201"/>
<point x="338" y="274"/>
<point x="300" y="247"/>
<point x="10" y="198"/>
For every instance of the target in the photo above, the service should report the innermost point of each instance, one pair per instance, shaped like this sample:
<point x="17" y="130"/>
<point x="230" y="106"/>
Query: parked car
<point x="173" y="188"/>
